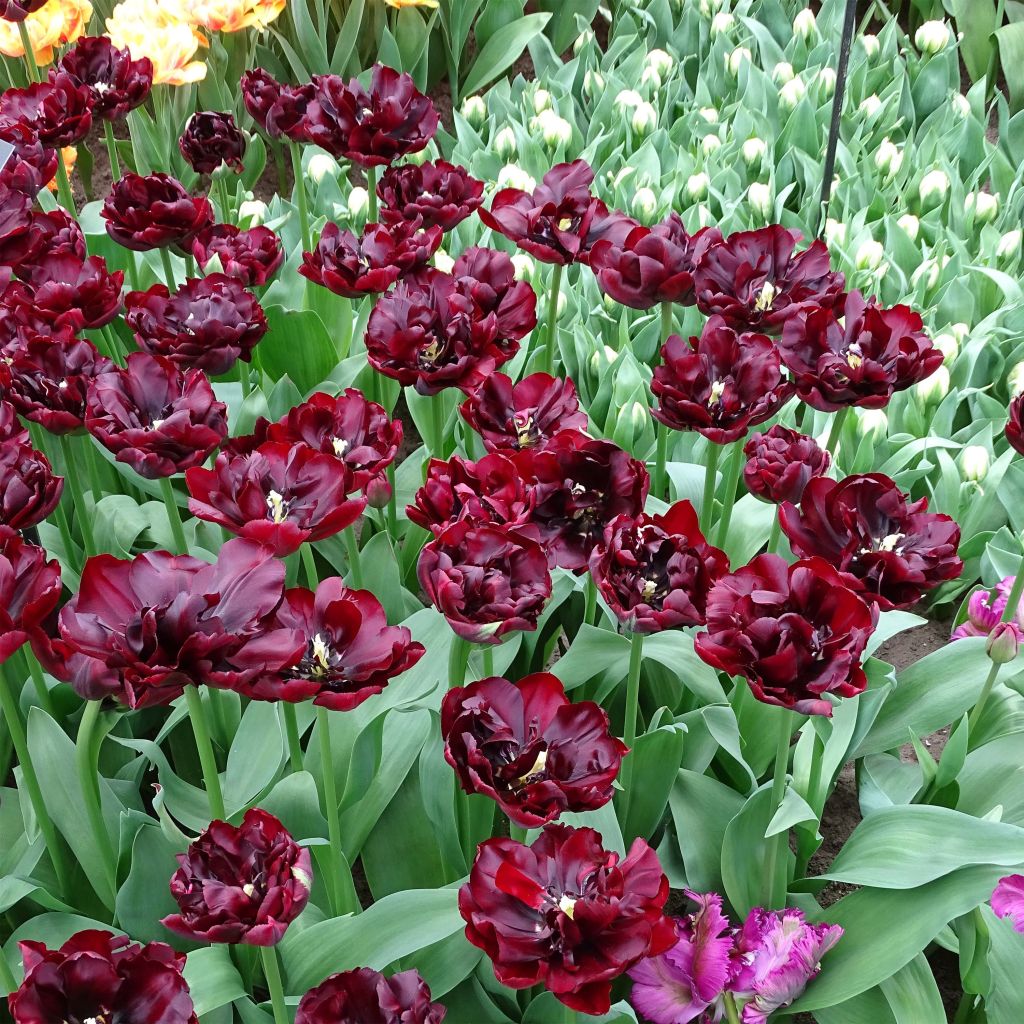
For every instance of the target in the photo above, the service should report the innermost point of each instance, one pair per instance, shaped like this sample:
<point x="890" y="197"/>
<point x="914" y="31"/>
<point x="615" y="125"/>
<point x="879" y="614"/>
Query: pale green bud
<point x="513" y="176"/>
<point x="873" y="423"/>
<point x="933" y="389"/>
<point x="722" y="23"/>
<point x="835" y="232"/>
<point x="627" y="99"/>
<point x="961" y="105"/>
<point x="947" y="345"/>
<point x="320" y="166"/>
<point x="650" y="80"/>
<point x="869" y="43"/>
<point x="593" y="84"/>
<point x="760" y="198"/>
<point x="708" y="7"/>
<point x="474" y="110"/>
<point x="911" y="225"/>
<point x="870" y="255"/>
<point x="505" y="143"/>
<point x="1009" y="245"/>
<point x="697" y="186"/>
<point x="934" y="188"/>
<point x="869" y="106"/>
<point x="709" y="144"/>
<point x="661" y="61"/>
<point x="791" y="93"/>
<point x="960" y="331"/>
<point x="974" y="462"/>
<point x="645" y="119"/>
<point x="525" y="268"/>
<point x="358" y="201"/>
<point x="783" y="73"/>
<point x="984" y="205"/>
<point x="1015" y="380"/>
<point x="709" y="114"/>
<point x="253" y="210"/>
<point x="582" y="40"/>
<point x="826" y="79"/>
<point x="735" y="60"/>
<point x="542" y="101"/>
<point x="932" y="37"/>
<point x="754" y="150"/>
<point x="645" y="204"/>
<point x="888" y="157"/>
<point x="804" y="25"/>
<point x="553" y="129"/>
<point x="928" y="272"/>
<point x="443" y="262"/>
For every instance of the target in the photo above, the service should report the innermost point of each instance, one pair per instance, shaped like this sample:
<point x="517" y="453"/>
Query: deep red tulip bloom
<point x="98" y="976"/>
<point x="207" y="324"/>
<point x="428" y="333"/>
<point x="155" y="418"/>
<point x="351" y="652"/>
<point x="241" y="884"/>
<point x="755" y="282"/>
<point x="719" y="384"/>
<point x="15" y="221"/>
<point x="371" y="127"/>
<point x="488" y="277"/>
<point x="795" y="632"/>
<point x="654" y="572"/>
<point x="29" y="491"/>
<point x="491" y="490"/>
<point x="210" y="139"/>
<point x="652" y="265"/>
<point x="281" y="495"/>
<point x="580" y="485"/>
<point x="154" y="212"/>
<point x="888" y="548"/>
<point x="47" y="234"/>
<point x="353" y="267"/>
<point x="350" y="427"/>
<point x="32" y="165"/>
<point x="527" y="747"/>
<point x="11" y="430"/>
<point x="485" y="580"/>
<point x="862" y="361"/>
<point x="162" y="622"/>
<point x="522" y="415"/>
<point x="1015" y="424"/>
<point x="29" y="591"/>
<point x="83" y="294"/>
<point x="781" y="463"/>
<point x="605" y="226"/>
<point x="116" y="82"/>
<point x="278" y="109"/>
<point x="47" y="381"/>
<point x="57" y="110"/>
<point x="19" y="10"/>
<point x="364" y="996"/>
<point x="252" y="256"/>
<point x="566" y="913"/>
<point x="437" y="192"/>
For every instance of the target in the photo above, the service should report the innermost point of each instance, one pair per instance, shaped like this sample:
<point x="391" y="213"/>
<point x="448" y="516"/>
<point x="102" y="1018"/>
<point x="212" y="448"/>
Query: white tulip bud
<point x="525" y="268"/>
<point x="792" y="93"/>
<point x="709" y="144"/>
<point x="358" y="201"/>
<point x="760" y="198"/>
<point x="947" y="344"/>
<point x="870" y="105"/>
<point x="322" y="165"/>
<point x="722" y="23"/>
<point x="961" y="105"/>
<point x="804" y="25"/>
<point x="960" y="331"/>
<point x="602" y="358"/>
<point x="911" y="225"/>
<point x="870" y="255"/>
<point x="623" y="174"/>
<point x="974" y="462"/>
<point x="582" y="40"/>
<point x="645" y="119"/>
<point x="1009" y="245"/>
<point x="709" y="114"/>
<point x="513" y="176"/>
<point x="443" y="262"/>
<point x="932" y="37"/>
<point x="888" y="157"/>
<point x="505" y="143"/>
<point x="783" y="73"/>
<point x="560" y="305"/>
<point x="593" y="84"/>
<point x="1015" y="380"/>
<point x="650" y="80"/>
<point x="928" y="272"/>
<point x="735" y="60"/>
<point x="826" y="79"/>
<point x="554" y="130"/>
<point x="639" y="415"/>
<point x="628" y="99"/>
<point x="835" y="232"/>
<point x="933" y="389"/>
<point x="474" y="110"/>
<point x="542" y="101"/>
<point x="611" y="305"/>
<point x="697" y="187"/>
<point x="708" y="7"/>
<point x="984" y="205"/>
<point x="870" y="45"/>
<point x="934" y="188"/>
<point x="873" y="423"/>
<point x="645" y="204"/>
<point x="754" y="150"/>
<point x="661" y="61"/>
<point x="253" y="210"/>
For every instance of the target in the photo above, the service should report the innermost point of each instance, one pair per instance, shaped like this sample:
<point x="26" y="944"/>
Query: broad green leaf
<point x="145" y="897"/>
<point x="502" y="50"/>
<point x="912" y="994"/>
<point x="212" y="978"/>
<point x="702" y="809"/>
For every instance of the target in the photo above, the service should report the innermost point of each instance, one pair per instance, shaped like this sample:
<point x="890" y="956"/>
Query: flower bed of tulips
<point x="452" y="587"/>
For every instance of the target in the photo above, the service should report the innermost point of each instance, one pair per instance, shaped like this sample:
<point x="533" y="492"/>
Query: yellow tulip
<point x="77" y="14"/>
<point x="69" y="155"/>
<point x="45" y="27"/>
<point x="234" y="15"/>
<point x="411" y="3"/>
<point x="161" y="33"/>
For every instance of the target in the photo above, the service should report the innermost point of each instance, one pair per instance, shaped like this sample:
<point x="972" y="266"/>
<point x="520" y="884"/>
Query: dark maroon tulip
<point x="485" y="580"/>
<point x="89" y="677"/>
<point x="281" y="495"/>
<point x="353" y="267"/>
<point x="654" y="572"/>
<point x="652" y="265"/>
<point x="100" y="977"/>
<point x="488" y="277"/>
<point x="20" y="326"/>
<point x="11" y="430"/>
<point x="719" y="384"/>
<point x="278" y="109"/>
<point x="47" y="381"/>
<point x="370" y="127"/>
<point x="19" y="10"/>
<point x="566" y="912"/>
<point x="553" y="222"/>
<point x="491" y="490"/>
<point x="15" y="221"/>
<point x="605" y="226"/>
<point x="364" y="996"/>
<point x="523" y="415"/>
<point x="889" y="549"/>
<point x="154" y="212"/>
<point x="47" y="234"/>
<point x="207" y="324"/>
<point x="862" y="361"/>
<point x="795" y="632"/>
<point x="1015" y="424"/>
<point x="32" y="165"/>
<point x="210" y="139"/>
<point x="580" y="485"/>
<point x="350" y="427"/>
<point x="29" y="591"/>
<point x="116" y="82"/>
<point x="351" y="652"/>
<point x="155" y="418"/>
<point x="438" y="192"/>
<point x="163" y="622"/>
<point x="428" y="333"/>
<point x="29" y="491"/>
<point x="67" y="290"/>
<point x="781" y="462"/>
<point x="755" y="282"/>
<point x="252" y="256"/>
<point x="241" y="885"/>
<point x="56" y="110"/>
<point x="526" y="746"/>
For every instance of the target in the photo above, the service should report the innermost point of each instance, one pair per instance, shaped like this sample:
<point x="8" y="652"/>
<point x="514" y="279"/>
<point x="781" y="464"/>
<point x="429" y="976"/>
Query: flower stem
<point x="777" y="844"/>
<point x="590" y="600"/>
<point x="372" y="208"/>
<point x="9" y="707"/>
<point x="330" y="798"/>
<point x="392" y="503"/>
<point x="222" y="195"/>
<point x="204" y="747"/>
<point x="291" y="730"/>
<point x="35" y="670"/>
<point x="133" y="271"/>
<point x="272" y="974"/>
<point x="115" y="164"/>
<point x="309" y="566"/>
<point x="173" y="515"/>
<point x="551" y="329"/>
<point x="636" y="653"/>
<point x="87" y="745"/>
<point x="732" y="1014"/>
<point x="458" y="661"/>
<point x="95" y="485"/>
<point x="732" y="478"/>
<point x="710" y="479"/>
<point x="77" y="495"/>
<point x="438" y="422"/>
<point x="488" y="654"/>
<point x="165" y="259"/>
<point x="838" y="421"/>
<point x="775" y="536"/>
<point x="300" y="196"/>
<point x="67" y="197"/>
<point x="355" y="566"/>
<point x="30" y="54"/>
<point x="243" y="377"/>
<point x="660" y="458"/>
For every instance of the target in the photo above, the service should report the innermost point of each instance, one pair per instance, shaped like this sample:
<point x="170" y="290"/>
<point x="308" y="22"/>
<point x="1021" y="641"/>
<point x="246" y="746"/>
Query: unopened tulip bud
<point x="542" y="101"/>
<point x="961" y="105"/>
<point x="934" y="188"/>
<point x="782" y="73"/>
<point x="650" y="80"/>
<point x="932" y="37"/>
<point x="760" y="198"/>
<point x="645" y="119"/>
<point x="1009" y="245"/>
<point x="610" y="304"/>
<point x="697" y="187"/>
<point x="873" y="423"/>
<point x="947" y="345"/>
<point x="525" y="268"/>
<point x="560" y="305"/>
<point x="253" y="211"/>
<point x="321" y="166"/>
<point x="754" y="150"/>
<point x="582" y="40"/>
<point x="722" y="23"/>
<point x="602" y="358"/>
<point x="933" y="389"/>
<point x="835" y="232"/>
<point x="1015" y="380"/>
<point x="513" y="176"/>
<point x="870" y="45"/>
<point x="804" y="25"/>
<point x="358" y="201"/>
<point x="593" y="84"/>
<point x="974" y="462"/>
<point x="644" y="205"/>
<point x="984" y="205"/>
<point x="661" y="61"/>
<point x="960" y="331"/>
<point x="628" y="99"/>
<point x="709" y="114"/>
<point x="554" y="130"/>
<point x="888" y="157"/>
<point x="826" y="79"/>
<point x="792" y="93"/>
<point x="928" y="272"/>
<point x="740" y="56"/>
<point x="911" y="225"/>
<point x="870" y="255"/>
<point x="505" y="143"/>
<point x="1003" y="643"/>
<point x="624" y="174"/>
<point x="710" y="144"/>
<point x="443" y="262"/>
<point x="709" y="7"/>
<point x="474" y="110"/>
<point x="869" y="106"/>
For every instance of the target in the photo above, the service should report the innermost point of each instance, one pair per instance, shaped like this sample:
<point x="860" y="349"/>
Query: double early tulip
<point x="280" y="110"/>
<point x="117" y="84"/>
<point x="1015" y="424"/>
<point x="154" y="212"/>
<point x="251" y="256"/>
<point x="364" y="996"/>
<point x="62" y="289"/>
<point x="31" y="165"/>
<point x="436" y="192"/>
<point x="29" y="491"/>
<point x="29" y="591"/>
<point x="781" y="463"/>
<point x="57" y="110"/>
<point x="210" y="139"/>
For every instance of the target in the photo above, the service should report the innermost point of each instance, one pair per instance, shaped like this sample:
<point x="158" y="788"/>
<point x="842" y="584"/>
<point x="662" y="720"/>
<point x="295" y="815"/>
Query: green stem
<point x="165" y="259"/>
<point x="438" y="421"/>
<point x="589" y="601"/>
<point x="777" y="844"/>
<point x="93" y="469"/>
<point x="243" y="377"/>
<point x="636" y="653"/>
<point x="87" y="745"/>
<point x="775" y="536"/>
<point x="392" y="503"/>
<point x="67" y="197"/>
<point x="732" y="1014"/>
<point x="82" y="513"/>
<point x="204" y="747"/>
<point x="732" y="479"/>
<point x="551" y="328"/>
<point x="838" y="420"/>
<point x="174" y="515"/>
<point x="272" y="974"/>
<point x="223" y="195"/>
<point x="133" y="271"/>
<point x="488" y="653"/>
<point x="291" y="730"/>
<point x="458" y="662"/>
<point x="710" y="479"/>
<point x="9" y="707"/>
<point x="660" y="458"/>
<point x="986" y="692"/>
<point x="309" y="566"/>
<point x="372" y="207"/>
<point x="35" y="670"/>
<point x="300" y="196"/>
<point x="337" y="886"/>
<point x="355" y="565"/>
<point x="114" y="347"/>
<point x="30" y="54"/>
<point x="108" y="136"/>
<point x="65" y="535"/>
